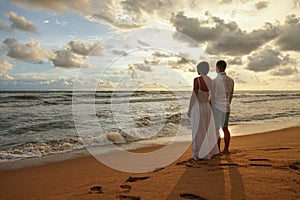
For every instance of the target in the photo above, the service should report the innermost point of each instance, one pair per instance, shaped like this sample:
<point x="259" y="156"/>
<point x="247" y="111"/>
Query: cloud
<point x="120" y="14"/>
<point x="235" y="61"/>
<point x="29" y="52"/>
<point x="162" y="54"/>
<point x="289" y="34"/>
<point x="6" y="77"/>
<point x="20" y="23"/>
<point x="225" y="1"/>
<point x="103" y="11"/>
<point x="5" y="66"/>
<point x="236" y="76"/>
<point x="153" y="61"/>
<point x="180" y="62"/>
<point x="68" y="59"/>
<point x="239" y="42"/>
<point x="119" y="52"/>
<point x="223" y="37"/>
<point x="54" y="5"/>
<point x="195" y="28"/>
<point x="261" y="5"/>
<point x="75" y="54"/>
<point x="296" y="3"/>
<point x="285" y="71"/>
<point x="81" y="48"/>
<point x="145" y="65"/>
<point x="268" y="59"/>
<point x="142" y="12"/>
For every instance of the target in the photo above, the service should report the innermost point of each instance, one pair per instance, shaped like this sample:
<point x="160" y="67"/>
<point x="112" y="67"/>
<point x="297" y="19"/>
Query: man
<point x="221" y="96"/>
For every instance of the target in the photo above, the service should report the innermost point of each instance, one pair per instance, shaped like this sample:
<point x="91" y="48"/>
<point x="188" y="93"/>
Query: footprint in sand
<point x="259" y="159"/>
<point x="185" y="161"/>
<point x="134" y="179"/>
<point x="277" y="149"/>
<point x="191" y="196"/>
<point x="295" y="165"/>
<point x="260" y="164"/>
<point x="124" y="197"/>
<point x="125" y="188"/>
<point x="228" y="164"/>
<point x="95" y="190"/>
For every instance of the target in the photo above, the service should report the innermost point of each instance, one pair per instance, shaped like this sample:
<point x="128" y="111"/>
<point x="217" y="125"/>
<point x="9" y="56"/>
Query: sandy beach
<point x="260" y="166"/>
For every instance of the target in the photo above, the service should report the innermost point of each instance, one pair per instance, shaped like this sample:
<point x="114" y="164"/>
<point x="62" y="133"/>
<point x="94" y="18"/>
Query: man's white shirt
<point x="222" y="92"/>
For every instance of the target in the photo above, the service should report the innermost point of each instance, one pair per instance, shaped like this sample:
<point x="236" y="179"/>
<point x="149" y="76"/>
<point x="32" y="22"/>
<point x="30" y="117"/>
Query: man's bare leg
<point x="226" y="140"/>
<point x="219" y="139"/>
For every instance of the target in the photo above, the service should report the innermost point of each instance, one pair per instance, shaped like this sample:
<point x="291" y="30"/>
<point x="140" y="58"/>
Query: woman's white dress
<point x="204" y="136"/>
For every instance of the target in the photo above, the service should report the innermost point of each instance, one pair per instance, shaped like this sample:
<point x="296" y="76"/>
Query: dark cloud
<point x="162" y="54"/>
<point x="268" y="59"/>
<point x="30" y="52"/>
<point x="119" y="52"/>
<point x="125" y="14"/>
<point x="225" y="1"/>
<point x="240" y="42"/>
<point x="261" y="5"/>
<point x="223" y="37"/>
<point x="195" y="28"/>
<point x="20" y="23"/>
<point x="81" y="48"/>
<point x="285" y="71"/>
<point x="289" y="34"/>
<point x="139" y="11"/>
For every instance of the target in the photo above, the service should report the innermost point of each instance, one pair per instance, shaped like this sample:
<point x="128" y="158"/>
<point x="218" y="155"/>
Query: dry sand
<point x="260" y="166"/>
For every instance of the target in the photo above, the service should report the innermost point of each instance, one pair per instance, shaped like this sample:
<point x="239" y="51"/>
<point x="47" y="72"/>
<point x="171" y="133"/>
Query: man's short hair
<point x="221" y="64"/>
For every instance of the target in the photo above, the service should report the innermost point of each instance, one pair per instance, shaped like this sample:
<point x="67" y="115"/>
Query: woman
<point x="204" y="136"/>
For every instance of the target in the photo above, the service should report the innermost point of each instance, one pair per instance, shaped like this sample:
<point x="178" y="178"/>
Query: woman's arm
<point x="196" y="86"/>
<point x="193" y="97"/>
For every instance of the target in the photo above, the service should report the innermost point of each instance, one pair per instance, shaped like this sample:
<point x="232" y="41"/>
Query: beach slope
<point x="260" y="166"/>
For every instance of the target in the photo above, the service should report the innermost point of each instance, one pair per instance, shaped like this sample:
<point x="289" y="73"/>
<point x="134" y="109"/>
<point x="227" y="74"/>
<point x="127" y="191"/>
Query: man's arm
<point x="231" y="93"/>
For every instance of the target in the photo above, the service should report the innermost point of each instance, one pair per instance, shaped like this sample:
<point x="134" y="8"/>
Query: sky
<point x="150" y="44"/>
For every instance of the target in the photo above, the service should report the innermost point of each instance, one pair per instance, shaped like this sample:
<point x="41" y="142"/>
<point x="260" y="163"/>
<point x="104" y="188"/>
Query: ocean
<point x="39" y="123"/>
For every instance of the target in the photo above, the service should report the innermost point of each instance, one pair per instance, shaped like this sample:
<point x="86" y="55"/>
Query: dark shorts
<point x="221" y="118"/>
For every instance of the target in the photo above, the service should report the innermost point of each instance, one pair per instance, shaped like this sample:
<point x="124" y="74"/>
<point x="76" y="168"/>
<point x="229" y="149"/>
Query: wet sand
<point x="260" y="166"/>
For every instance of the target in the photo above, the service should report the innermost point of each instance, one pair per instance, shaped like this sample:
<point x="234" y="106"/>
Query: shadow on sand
<point x="218" y="178"/>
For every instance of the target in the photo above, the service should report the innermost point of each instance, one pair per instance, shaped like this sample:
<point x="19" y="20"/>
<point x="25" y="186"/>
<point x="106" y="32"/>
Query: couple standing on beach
<point x="209" y="111"/>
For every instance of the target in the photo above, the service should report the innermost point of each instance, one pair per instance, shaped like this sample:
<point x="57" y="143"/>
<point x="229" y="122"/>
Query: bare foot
<point x="226" y="152"/>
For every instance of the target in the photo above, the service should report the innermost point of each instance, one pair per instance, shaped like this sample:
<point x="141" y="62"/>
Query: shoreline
<point x="248" y="129"/>
<point x="260" y="166"/>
